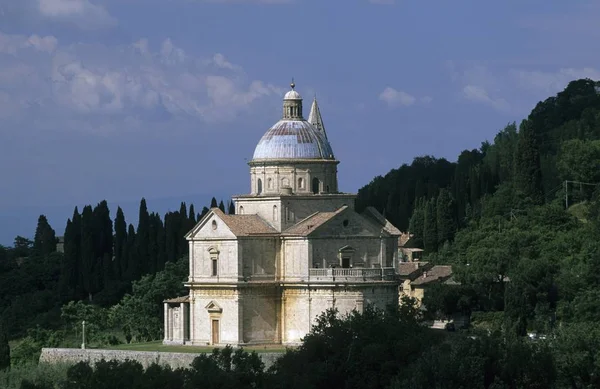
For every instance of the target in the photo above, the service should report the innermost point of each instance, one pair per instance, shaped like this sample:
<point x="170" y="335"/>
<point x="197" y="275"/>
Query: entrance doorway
<point x="345" y="262"/>
<point x="215" y="332"/>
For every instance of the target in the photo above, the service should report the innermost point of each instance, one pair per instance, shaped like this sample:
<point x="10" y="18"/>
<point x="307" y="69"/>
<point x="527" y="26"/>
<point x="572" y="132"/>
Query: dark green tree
<point x="4" y="348"/>
<point x="528" y="172"/>
<point x="416" y="226"/>
<point x="231" y="208"/>
<point x="120" y="265"/>
<point x="446" y="225"/>
<point x="430" y="234"/>
<point x="142" y="239"/>
<point x="44" y="241"/>
<point x="222" y="206"/>
<point x="88" y="279"/>
<point x="213" y="203"/>
<point x="133" y="264"/>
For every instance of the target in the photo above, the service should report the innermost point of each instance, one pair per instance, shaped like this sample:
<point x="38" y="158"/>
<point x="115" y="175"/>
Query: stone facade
<point x="295" y="248"/>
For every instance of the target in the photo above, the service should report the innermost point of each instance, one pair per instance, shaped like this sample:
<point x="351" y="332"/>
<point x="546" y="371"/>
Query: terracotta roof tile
<point x="436" y="273"/>
<point x="183" y="299"/>
<point x="312" y="222"/>
<point x="378" y="218"/>
<point x="245" y="225"/>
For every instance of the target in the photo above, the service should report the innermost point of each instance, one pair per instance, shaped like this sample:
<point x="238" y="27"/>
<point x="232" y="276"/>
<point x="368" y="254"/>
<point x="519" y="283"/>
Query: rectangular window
<point x="214" y="267"/>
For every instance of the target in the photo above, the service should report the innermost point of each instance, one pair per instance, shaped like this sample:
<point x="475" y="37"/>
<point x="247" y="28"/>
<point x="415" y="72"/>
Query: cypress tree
<point x="204" y="212"/>
<point x="4" y="348"/>
<point x="528" y="172"/>
<point x="133" y="270"/>
<point x="192" y="216"/>
<point x="103" y="246"/>
<point x="231" y="207"/>
<point x="171" y="239"/>
<point x="416" y="223"/>
<point x="142" y="239"/>
<point x="430" y="236"/>
<point x="120" y="244"/>
<point x="44" y="241"/>
<point x="153" y="254"/>
<point x="213" y="203"/>
<point x="88" y="254"/>
<point x="446" y="226"/>
<point x="222" y="206"/>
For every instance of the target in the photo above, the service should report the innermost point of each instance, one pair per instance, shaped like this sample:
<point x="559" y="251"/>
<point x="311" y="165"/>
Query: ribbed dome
<point x="293" y="139"/>
<point x="292" y="95"/>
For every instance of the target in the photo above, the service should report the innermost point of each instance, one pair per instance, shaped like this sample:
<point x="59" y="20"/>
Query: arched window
<point x="259" y="186"/>
<point x="241" y="211"/>
<point x="327" y="189"/>
<point x="285" y="182"/>
<point x="300" y="183"/>
<point x="269" y="183"/>
<point x="315" y="185"/>
<point x="275" y="214"/>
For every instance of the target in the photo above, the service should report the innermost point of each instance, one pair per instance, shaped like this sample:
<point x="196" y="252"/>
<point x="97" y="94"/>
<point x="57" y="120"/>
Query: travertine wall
<point x="290" y="209"/>
<point x="227" y="262"/>
<point x="298" y="176"/>
<point x="146" y="358"/>
<point x="258" y="257"/>
<point x="260" y="308"/>
<point x="303" y="305"/>
<point x="229" y="326"/>
<point x="326" y="251"/>
<point x="295" y="259"/>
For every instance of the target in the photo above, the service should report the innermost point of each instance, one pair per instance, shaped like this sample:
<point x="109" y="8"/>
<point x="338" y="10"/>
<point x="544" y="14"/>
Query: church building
<point x="295" y="247"/>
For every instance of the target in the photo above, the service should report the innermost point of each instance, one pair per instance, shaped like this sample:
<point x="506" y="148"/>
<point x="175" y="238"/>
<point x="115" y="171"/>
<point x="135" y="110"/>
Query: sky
<point x="166" y="99"/>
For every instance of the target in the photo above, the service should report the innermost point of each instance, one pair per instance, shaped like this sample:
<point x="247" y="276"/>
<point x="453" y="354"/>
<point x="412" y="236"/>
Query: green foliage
<point x="32" y="375"/>
<point x="44" y="242"/>
<point x="139" y="314"/>
<point x="4" y="348"/>
<point x="357" y="351"/>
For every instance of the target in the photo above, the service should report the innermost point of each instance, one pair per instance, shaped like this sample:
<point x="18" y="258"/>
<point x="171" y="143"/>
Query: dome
<point x="292" y="95"/>
<point x="293" y="139"/>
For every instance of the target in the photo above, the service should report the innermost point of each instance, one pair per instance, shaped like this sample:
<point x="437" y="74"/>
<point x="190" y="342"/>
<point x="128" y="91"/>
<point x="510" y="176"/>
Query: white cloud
<point x="85" y="14"/>
<point x="393" y="97"/>
<point x="480" y="95"/>
<point x="95" y="83"/>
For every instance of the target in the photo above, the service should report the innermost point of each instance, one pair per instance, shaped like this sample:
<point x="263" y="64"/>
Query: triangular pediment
<point x="213" y="307"/>
<point x="348" y="223"/>
<point x="211" y="226"/>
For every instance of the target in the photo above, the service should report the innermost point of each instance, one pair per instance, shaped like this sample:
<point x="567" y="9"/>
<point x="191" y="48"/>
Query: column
<point x="183" y="324"/>
<point x="166" y="321"/>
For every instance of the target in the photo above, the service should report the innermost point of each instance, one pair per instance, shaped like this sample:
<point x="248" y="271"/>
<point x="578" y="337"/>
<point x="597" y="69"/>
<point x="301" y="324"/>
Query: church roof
<point x="245" y="225"/>
<point x="312" y="222"/>
<point x="378" y="218"/>
<point x="315" y="118"/>
<point x="293" y="137"/>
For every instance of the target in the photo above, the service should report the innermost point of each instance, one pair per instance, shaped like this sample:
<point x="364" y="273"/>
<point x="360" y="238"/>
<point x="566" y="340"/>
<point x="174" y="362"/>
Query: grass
<point x="158" y="346"/>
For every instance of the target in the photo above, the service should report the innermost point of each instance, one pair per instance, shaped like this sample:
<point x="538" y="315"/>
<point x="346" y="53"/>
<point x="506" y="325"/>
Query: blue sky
<point x="166" y="99"/>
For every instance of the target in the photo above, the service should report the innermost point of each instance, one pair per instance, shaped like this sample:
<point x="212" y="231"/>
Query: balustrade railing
<point x="353" y="274"/>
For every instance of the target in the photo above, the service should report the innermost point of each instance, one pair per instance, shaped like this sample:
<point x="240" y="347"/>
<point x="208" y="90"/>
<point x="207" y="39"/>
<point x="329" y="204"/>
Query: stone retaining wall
<point x="146" y="358"/>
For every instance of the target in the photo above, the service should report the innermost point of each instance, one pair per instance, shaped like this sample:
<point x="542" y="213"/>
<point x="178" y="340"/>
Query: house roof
<point x="182" y="299"/>
<point x="244" y="225"/>
<point x="436" y="273"/>
<point x="404" y="238"/>
<point x="409" y="268"/>
<point x="312" y="222"/>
